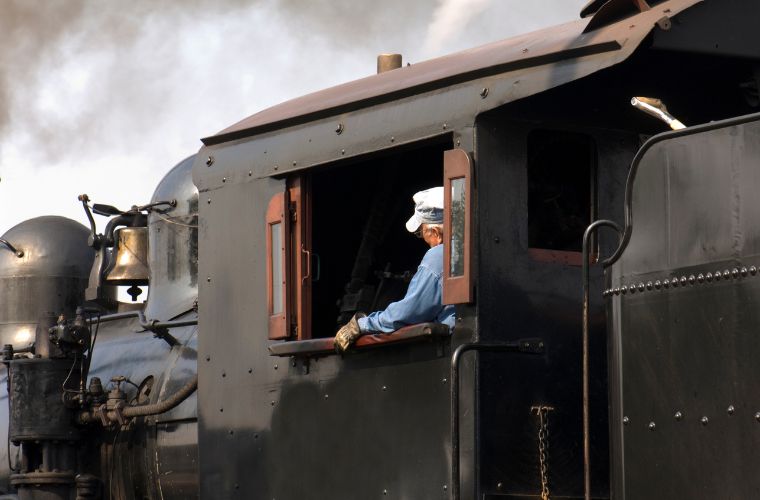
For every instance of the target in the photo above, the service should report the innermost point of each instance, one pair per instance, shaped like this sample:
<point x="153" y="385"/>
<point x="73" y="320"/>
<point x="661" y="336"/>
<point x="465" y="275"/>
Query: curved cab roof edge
<point x="532" y="50"/>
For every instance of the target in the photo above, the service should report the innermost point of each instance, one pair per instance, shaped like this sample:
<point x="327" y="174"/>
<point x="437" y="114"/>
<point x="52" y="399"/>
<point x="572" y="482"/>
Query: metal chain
<point x="543" y="447"/>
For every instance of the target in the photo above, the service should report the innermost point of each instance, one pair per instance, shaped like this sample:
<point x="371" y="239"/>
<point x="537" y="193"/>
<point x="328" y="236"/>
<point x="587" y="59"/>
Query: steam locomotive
<point x="604" y="272"/>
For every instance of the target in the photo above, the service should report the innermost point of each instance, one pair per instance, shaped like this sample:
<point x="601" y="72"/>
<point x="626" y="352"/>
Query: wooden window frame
<point x="457" y="164"/>
<point x="278" y="213"/>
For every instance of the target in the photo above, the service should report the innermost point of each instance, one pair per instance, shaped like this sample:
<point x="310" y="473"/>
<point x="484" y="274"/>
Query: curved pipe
<point x="167" y="404"/>
<point x="18" y="253"/>
<point x="118" y="415"/>
<point x="586" y="434"/>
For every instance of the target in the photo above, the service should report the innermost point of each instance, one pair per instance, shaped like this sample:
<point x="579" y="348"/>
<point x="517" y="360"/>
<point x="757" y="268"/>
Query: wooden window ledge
<point x="324" y="346"/>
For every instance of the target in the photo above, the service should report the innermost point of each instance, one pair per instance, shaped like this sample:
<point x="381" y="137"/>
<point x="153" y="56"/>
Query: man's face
<point x="431" y="235"/>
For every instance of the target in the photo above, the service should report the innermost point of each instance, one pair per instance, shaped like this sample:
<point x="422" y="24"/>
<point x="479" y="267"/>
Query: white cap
<point x="428" y="208"/>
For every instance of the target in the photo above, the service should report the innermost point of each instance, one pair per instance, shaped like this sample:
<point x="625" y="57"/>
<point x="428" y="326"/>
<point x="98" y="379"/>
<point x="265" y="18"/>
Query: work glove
<point x="348" y="334"/>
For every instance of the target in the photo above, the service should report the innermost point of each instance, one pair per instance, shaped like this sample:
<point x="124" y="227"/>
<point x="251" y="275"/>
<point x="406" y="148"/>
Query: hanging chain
<point x="543" y="447"/>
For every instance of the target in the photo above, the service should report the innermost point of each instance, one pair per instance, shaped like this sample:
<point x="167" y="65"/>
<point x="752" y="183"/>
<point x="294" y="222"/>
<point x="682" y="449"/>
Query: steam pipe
<point x="586" y="279"/>
<point x="90" y="416"/>
<point x="168" y="404"/>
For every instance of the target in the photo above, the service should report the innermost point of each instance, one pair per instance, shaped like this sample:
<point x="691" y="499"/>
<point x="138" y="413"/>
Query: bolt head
<point x="652" y="426"/>
<point x="757" y="416"/>
<point x="626" y="420"/>
<point x="678" y="416"/>
<point x="730" y="410"/>
<point x="704" y="420"/>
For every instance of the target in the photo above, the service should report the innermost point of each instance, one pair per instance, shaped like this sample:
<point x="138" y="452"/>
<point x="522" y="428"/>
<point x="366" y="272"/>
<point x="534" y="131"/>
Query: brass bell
<point x="130" y="264"/>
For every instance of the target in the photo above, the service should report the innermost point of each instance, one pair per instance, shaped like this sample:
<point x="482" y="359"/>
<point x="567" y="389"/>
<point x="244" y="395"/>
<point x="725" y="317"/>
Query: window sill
<point x="324" y="346"/>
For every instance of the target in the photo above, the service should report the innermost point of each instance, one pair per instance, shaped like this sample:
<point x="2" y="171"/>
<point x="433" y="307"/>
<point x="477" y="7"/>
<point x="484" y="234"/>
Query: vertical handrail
<point x="586" y="279"/>
<point x="528" y="346"/>
<point x="18" y="253"/>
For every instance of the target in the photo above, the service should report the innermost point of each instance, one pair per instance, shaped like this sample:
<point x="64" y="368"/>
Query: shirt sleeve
<point x="421" y="303"/>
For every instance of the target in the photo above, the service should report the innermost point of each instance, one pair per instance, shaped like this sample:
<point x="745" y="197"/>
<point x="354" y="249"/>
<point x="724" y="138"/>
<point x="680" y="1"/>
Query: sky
<point x="103" y="96"/>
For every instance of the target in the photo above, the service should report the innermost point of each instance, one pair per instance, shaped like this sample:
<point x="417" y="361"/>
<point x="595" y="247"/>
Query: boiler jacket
<point x="422" y="302"/>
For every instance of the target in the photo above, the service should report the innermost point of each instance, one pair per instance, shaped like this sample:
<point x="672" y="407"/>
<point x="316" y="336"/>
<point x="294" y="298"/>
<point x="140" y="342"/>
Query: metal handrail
<point x="527" y="346"/>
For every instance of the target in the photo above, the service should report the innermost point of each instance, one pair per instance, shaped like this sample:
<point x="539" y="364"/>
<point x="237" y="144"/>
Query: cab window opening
<point x="366" y="255"/>
<point x="561" y="193"/>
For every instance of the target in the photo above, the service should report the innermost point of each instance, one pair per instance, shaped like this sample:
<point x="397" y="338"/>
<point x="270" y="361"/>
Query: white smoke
<point x="450" y="19"/>
<point x="105" y="97"/>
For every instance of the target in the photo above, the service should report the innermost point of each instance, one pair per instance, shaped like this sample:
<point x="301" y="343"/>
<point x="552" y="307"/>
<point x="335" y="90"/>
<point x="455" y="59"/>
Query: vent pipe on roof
<point x="387" y="62"/>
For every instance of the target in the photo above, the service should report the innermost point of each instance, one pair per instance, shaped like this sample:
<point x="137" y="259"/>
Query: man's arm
<point x="421" y="303"/>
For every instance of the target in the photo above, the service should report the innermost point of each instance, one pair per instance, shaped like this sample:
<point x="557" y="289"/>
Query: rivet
<point x="626" y="420"/>
<point x="208" y="358"/>
<point x="753" y="270"/>
<point x="393" y="139"/>
<point x="624" y="290"/>
<point x="692" y="279"/>
<point x="276" y="167"/>
<point x="617" y="291"/>
<point x="255" y="436"/>
<point x="327" y="396"/>
<point x="385" y="492"/>
<point x="744" y="271"/>
<point x="444" y="381"/>
<point x="224" y="374"/>
<point x="684" y="281"/>
<point x="525" y="51"/>
<point x="666" y="283"/>
<point x="730" y="410"/>
<point x="221" y="410"/>
<point x="250" y="173"/>
<point x="657" y="284"/>
<point x="642" y="286"/>
<point x="704" y="420"/>
<point x="339" y="130"/>
<point x="459" y="142"/>
<point x="757" y="416"/>
<point x="649" y="285"/>
<point x="718" y="275"/>
<point x="674" y="282"/>
<point x="678" y="416"/>
<point x="385" y="388"/>
<point x="726" y="274"/>
<point x="701" y="278"/>
<point x="499" y="485"/>
<point x="652" y="426"/>
<point x="250" y="370"/>
<point x="208" y="279"/>
<point x="276" y="367"/>
<point x="271" y="403"/>
<point x="735" y="272"/>
<point x="224" y="179"/>
<point x="295" y="163"/>
<point x="445" y="487"/>
<point x="208" y="201"/>
<point x="342" y="151"/>
<point x="209" y="161"/>
<point x="709" y="277"/>
<point x="484" y="93"/>
<point x="231" y="432"/>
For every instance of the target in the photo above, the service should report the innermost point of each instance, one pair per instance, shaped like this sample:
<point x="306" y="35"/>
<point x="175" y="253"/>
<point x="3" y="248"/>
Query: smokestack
<point x="387" y="62"/>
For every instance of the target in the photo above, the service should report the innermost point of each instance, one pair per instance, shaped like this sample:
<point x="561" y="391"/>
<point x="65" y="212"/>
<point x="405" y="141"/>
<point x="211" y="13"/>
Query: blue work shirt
<point x="422" y="302"/>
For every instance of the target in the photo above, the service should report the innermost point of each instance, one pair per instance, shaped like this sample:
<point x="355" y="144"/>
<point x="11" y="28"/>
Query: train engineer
<point x="423" y="299"/>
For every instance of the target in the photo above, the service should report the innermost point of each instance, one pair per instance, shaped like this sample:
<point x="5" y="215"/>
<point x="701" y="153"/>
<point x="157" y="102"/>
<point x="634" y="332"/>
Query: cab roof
<point x="614" y="25"/>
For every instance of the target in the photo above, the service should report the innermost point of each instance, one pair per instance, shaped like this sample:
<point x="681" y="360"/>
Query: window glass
<point x="276" y="260"/>
<point x="457" y="226"/>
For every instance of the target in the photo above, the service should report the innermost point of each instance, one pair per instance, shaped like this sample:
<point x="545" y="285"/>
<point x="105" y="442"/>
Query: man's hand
<point x="348" y="333"/>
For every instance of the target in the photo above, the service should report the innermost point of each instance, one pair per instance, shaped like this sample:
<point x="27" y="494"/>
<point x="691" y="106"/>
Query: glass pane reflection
<point x="456" y="240"/>
<point x="276" y="260"/>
